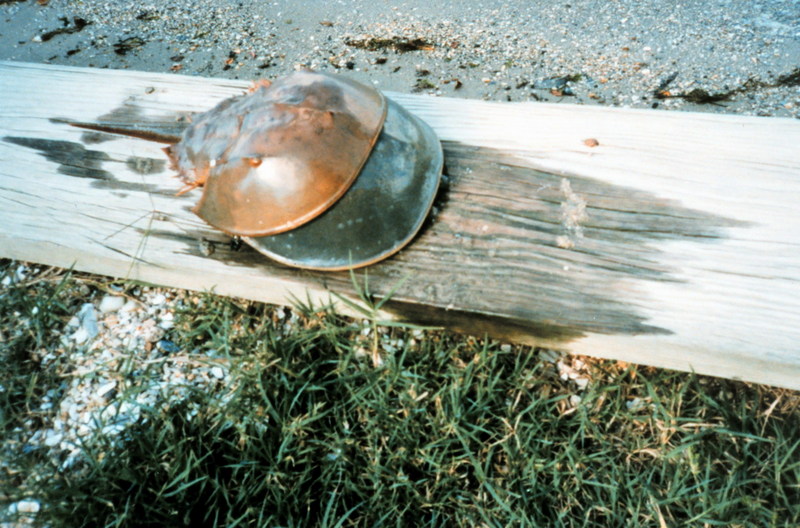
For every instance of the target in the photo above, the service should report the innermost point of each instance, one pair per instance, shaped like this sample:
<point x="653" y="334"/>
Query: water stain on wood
<point x="76" y="160"/>
<point x="145" y="166"/>
<point x="73" y="159"/>
<point x="496" y="253"/>
<point x="494" y="261"/>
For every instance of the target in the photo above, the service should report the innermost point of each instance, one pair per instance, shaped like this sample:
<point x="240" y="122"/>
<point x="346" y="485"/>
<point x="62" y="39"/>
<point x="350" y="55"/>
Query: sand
<point x="733" y="56"/>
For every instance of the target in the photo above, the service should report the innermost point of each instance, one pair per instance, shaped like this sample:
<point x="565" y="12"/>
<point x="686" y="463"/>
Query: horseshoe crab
<point x="382" y="211"/>
<point x="313" y="170"/>
<point x="275" y="158"/>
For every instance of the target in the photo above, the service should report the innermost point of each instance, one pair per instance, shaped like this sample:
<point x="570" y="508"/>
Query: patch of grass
<point x="446" y="431"/>
<point x="31" y="306"/>
<point x="29" y="309"/>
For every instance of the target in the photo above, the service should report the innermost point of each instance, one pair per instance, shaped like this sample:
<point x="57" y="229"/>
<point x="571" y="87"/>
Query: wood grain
<point x="673" y="242"/>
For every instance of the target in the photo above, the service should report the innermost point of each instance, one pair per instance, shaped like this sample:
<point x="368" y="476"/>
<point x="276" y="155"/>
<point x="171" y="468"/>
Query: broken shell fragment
<point x="277" y="157"/>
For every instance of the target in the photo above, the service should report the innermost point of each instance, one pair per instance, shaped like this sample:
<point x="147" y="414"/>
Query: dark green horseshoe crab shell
<point x="380" y="213"/>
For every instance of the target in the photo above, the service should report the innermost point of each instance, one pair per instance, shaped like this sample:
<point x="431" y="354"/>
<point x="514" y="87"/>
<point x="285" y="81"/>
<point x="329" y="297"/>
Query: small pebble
<point x="129" y="306"/>
<point x="167" y="321"/>
<point x="88" y="319"/>
<point x="106" y="388"/>
<point x="52" y="438"/>
<point x="168" y="346"/>
<point x="111" y="303"/>
<point x="80" y="336"/>
<point x="24" y="506"/>
<point x="634" y="405"/>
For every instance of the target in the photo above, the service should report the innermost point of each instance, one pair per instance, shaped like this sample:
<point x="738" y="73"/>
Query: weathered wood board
<point x="673" y="243"/>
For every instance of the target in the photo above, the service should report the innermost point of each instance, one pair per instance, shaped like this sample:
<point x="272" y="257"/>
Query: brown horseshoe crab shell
<point x="274" y="159"/>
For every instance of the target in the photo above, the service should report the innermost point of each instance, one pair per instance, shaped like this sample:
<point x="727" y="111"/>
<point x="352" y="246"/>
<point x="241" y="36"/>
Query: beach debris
<point x="148" y="15"/>
<point x="701" y="96"/>
<point x="559" y="86"/>
<point x="423" y="84"/>
<point x="129" y="44"/>
<point x="662" y="90"/>
<point x="399" y="44"/>
<point x="68" y="27"/>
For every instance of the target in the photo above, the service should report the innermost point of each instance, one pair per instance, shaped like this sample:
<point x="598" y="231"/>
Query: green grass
<point x="447" y="431"/>
<point x="28" y="313"/>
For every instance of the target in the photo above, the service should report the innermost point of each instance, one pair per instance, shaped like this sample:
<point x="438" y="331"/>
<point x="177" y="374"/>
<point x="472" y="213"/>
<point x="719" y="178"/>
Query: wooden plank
<point x="673" y="243"/>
